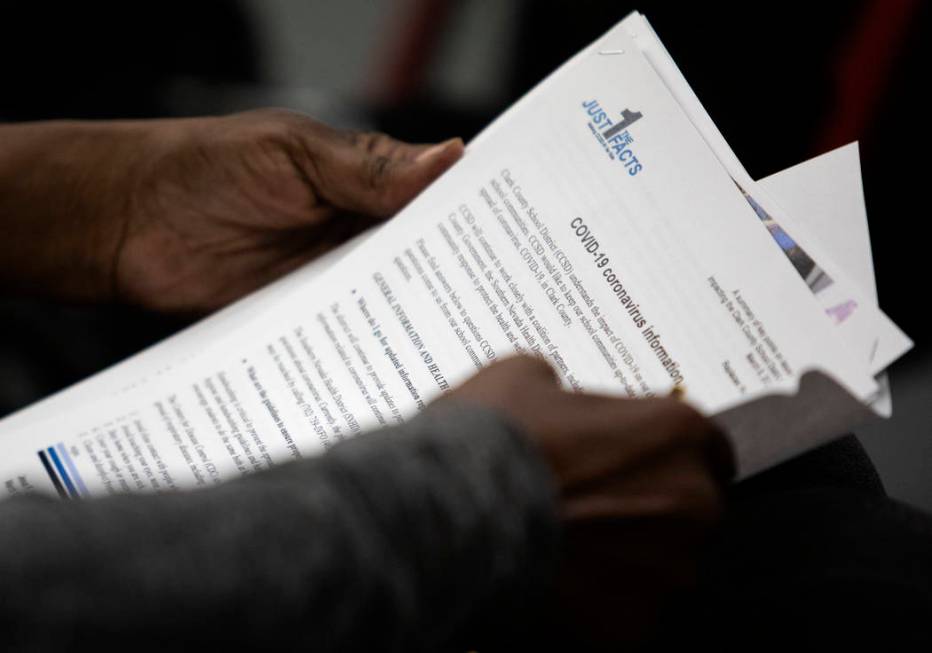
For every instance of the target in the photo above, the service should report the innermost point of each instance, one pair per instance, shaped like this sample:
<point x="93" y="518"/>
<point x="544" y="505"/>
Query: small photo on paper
<point x="815" y="277"/>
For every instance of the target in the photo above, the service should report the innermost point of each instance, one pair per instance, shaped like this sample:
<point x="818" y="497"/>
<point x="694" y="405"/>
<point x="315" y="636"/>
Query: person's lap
<point x="813" y="550"/>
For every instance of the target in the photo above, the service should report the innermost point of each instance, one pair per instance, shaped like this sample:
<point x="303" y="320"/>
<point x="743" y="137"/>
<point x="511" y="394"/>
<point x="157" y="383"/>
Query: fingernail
<point x="434" y="151"/>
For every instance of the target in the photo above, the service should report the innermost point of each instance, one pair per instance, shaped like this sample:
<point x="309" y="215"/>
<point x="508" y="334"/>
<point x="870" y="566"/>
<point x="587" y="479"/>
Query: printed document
<point x="592" y="224"/>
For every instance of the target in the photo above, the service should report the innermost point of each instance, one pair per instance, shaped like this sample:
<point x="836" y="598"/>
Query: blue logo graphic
<point x="615" y="137"/>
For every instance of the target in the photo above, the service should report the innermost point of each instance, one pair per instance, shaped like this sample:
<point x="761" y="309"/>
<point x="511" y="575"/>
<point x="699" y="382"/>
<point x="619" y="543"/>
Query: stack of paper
<point x="602" y="222"/>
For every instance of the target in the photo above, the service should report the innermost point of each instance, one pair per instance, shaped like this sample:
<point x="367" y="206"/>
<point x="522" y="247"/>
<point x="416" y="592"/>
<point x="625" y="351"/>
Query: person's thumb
<point x="374" y="174"/>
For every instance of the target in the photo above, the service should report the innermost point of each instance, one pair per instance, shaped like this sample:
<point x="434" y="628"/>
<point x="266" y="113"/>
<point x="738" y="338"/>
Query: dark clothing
<point x="389" y="542"/>
<point x="424" y="537"/>
<point x="813" y="554"/>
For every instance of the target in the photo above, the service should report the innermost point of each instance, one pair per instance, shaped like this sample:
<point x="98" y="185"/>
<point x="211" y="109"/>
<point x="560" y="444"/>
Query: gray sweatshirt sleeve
<point x="397" y="540"/>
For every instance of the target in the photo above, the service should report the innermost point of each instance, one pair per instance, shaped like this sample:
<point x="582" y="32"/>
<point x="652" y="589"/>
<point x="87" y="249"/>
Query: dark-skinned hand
<point x="640" y="485"/>
<point x="185" y="215"/>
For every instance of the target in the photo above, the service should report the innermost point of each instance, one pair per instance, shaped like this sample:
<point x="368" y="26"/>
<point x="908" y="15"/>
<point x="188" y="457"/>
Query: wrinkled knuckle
<point x="368" y="141"/>
<point x="372" y="143"/>
<point x="377" y="170"/>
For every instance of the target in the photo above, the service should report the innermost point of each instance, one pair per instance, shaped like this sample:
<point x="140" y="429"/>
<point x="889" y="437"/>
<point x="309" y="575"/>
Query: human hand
<point x="187" y="215"/>
<point x="640" y="485"/>
<point x="220" y="206"/>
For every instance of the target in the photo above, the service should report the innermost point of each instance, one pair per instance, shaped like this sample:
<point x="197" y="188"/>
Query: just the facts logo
<point x="614" y="135"/>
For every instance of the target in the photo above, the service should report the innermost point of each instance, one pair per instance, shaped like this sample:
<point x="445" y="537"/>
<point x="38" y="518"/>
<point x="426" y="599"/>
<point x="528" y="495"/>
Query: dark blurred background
<point x="429" y="69"/>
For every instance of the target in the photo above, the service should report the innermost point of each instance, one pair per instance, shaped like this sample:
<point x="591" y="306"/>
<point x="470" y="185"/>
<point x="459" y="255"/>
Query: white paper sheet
<point x="861" y="322"/>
